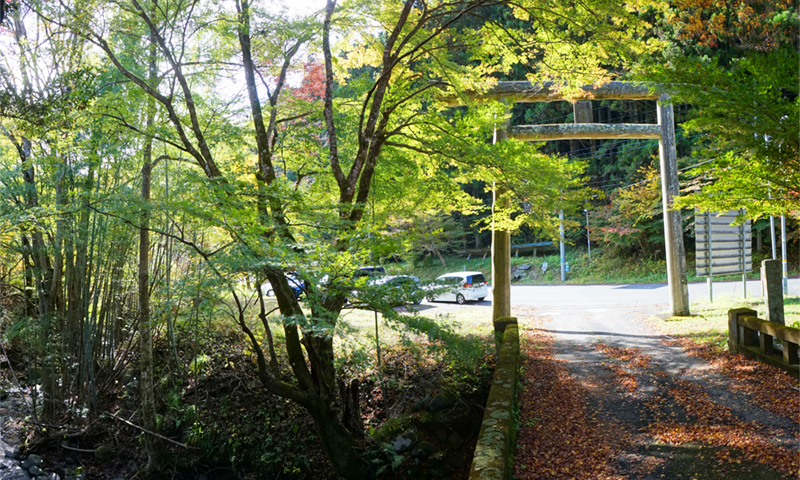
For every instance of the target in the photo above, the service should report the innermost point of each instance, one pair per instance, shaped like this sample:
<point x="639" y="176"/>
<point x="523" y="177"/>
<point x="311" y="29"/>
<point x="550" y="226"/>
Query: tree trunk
<point x="145" y="327"/>
<point x="339" y="443"/>
<point x="441" y="258"/>
<point x="43" y="274"/>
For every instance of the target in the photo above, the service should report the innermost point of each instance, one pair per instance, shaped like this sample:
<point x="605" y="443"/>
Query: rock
<point x="16" y="473"/>
<point x="423" y="450"/>
<point x="437" y="459"/>
<point x="438" y="403"/>
<point x="35" y="471"/>
<point x="104" y="452"/>
<point x="9" y="454"/>
<point x="132" y="387"/>
<point x="455" y="441"/>
<point x="402" y="443"/>
<point x="32" y="461"/>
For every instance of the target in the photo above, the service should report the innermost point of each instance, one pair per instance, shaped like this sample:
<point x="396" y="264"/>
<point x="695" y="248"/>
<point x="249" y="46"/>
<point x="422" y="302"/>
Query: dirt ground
<point x="607" y="396"/>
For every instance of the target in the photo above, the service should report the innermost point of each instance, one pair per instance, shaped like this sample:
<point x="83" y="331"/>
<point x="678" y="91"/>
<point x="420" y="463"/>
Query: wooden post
<point x="765" y="343"/>
<point x="581" y="113"/>
<point x="789" y="353"/>
<point x="733" y="326"/>
<point x="673" y="225"/>
<point x="501" y="253"/>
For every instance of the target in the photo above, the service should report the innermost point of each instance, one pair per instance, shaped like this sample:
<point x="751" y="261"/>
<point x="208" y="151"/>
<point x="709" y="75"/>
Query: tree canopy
<point x="737" y="64"/>
<point x="278" y="144"/>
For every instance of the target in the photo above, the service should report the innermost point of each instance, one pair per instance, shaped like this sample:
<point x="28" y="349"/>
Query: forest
<point x="161" y="160"/>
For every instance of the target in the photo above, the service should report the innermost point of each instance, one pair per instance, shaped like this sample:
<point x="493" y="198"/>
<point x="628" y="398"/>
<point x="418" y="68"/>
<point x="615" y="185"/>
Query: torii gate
<point x="664" y="131"/>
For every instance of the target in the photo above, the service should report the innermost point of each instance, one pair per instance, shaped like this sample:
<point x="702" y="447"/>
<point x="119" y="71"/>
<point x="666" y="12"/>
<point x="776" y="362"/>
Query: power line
<point x="621" y="142"/>
<point x="685" y="169"/>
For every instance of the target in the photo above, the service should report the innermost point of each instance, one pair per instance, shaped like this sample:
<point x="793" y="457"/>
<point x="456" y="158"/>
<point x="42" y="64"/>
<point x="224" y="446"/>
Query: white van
<point x="459" y="287"/>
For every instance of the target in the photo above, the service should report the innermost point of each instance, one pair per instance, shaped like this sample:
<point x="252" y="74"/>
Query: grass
<point x="582" y="270"/>
<point x="709" y="323"/>
<point x="602" y="268"/>
<point x="462" y="335"/>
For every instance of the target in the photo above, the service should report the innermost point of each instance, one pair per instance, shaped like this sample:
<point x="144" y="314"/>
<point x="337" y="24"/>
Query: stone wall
<point x="494" y="453"/>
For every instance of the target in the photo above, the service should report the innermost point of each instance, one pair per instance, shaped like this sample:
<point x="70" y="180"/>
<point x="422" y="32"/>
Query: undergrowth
<point x="604" y="267"/>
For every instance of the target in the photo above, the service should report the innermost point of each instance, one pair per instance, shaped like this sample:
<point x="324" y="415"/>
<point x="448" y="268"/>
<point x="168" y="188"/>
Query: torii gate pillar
<point x="501" y="252"/>
<point x="673" y="224"/>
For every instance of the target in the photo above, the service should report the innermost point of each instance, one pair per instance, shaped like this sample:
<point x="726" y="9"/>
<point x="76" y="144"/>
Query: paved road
<point x="654" y="295"/>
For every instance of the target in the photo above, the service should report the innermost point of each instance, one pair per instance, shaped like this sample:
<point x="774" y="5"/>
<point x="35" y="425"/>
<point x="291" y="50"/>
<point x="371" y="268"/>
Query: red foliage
<point x="745" y="23"/>
<point x="313" y="85"/>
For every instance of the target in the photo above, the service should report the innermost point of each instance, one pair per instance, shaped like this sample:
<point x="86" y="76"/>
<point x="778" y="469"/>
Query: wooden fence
<point x="754" y="337"/>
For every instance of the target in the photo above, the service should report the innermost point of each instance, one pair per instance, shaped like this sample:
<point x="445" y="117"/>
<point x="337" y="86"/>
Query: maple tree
<point x="632" y="221"/>
<point x="282" y="176"/>
<point x="736" y="63"/>
<point x="760" y="25"/>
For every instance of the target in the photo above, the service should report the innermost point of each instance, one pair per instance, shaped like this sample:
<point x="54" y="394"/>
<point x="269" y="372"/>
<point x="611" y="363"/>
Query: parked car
<point x="369" y="271"/>
<point x="395" y="289"/>
<point x="402" y="289"/>
<point x="295" y="282"/>
<point x="459" y="287"/>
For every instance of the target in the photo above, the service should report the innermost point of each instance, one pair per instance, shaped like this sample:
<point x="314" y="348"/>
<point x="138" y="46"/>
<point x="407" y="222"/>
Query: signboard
<point x="729" y="247"/>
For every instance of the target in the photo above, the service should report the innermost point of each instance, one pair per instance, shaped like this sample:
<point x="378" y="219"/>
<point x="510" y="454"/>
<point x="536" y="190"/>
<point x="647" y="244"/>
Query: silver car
<point x="460" y="287"/>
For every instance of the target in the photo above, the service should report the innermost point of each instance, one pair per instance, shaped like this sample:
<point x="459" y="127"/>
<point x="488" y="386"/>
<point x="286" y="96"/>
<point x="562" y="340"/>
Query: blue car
<point x="295" y="282"/>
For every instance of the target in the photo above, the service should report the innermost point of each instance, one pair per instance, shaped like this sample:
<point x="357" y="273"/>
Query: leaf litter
<point x="682" y="430"/>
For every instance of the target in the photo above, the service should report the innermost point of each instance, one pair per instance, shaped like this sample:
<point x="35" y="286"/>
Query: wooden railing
<point x="754" y="337"/>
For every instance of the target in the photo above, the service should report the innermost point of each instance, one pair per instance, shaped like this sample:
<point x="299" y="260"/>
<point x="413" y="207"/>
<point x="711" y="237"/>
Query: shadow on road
<point x="609" y="334"/>
<point x="647" y="286"/>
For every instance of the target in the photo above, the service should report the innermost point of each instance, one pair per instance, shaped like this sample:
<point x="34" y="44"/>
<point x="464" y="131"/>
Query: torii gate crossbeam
<point x="525" y="92"/>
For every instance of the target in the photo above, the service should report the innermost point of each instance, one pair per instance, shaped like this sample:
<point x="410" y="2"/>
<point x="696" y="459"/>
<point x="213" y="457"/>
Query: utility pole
<point x="588" y="240"/>
<point x="784" y="260"/>
<point x="561" y="245"/>
<point x="772" y="236"/>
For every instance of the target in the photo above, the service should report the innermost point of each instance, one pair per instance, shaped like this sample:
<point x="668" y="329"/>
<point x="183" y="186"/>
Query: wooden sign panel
<point x="728" y="246"/>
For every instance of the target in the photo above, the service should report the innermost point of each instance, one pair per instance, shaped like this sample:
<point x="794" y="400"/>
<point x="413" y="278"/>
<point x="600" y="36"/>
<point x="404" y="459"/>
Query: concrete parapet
<point x="494" y="452"/>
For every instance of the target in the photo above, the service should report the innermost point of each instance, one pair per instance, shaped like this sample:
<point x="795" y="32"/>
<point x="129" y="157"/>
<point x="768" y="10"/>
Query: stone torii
<point x="664" y="131"/>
